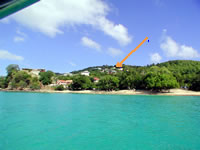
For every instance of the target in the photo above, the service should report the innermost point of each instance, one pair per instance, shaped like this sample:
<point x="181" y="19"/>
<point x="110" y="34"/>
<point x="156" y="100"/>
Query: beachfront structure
<point x="96" y="80"/>
<point x="65" y="83"/>
<point x="33" y="72"/>
<point x="85" y="73"/>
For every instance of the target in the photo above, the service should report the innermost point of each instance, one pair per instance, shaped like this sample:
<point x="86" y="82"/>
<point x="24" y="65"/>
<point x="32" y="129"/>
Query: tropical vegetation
<point x="156" y="77"/>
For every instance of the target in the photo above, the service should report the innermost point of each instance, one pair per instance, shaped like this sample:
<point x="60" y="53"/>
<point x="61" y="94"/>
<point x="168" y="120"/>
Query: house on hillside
<point x="65" y="83"/>
<point x="106" y="70"/>
<point x="33" y="72"/>
<point x="96" y="80"/>
<point x="85" y="73"/>
<point x="112" y="71"/>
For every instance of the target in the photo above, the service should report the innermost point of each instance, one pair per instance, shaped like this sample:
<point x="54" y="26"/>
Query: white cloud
<point x="9" y="56"/>
<point x="170" y="47"/>
<point x="188" y="52"/>
<point x="90" y="43"/>
<point x="173" y="49"/>
<point x="114" y="52"/>
<point x="164" y="31"/>
<point x="18" y="39"/>
<point x="118" y="32"/>
<point x="21" y="33"/>
<point x="155" y="58"/>
<point x="72" y="64"/>
<point x="20" y="36"/>
<point x="48" y="16"/>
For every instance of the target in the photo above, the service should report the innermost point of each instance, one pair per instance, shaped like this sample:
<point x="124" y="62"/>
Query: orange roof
<point x="95" y="78"/>
<point x="64" y="81"/>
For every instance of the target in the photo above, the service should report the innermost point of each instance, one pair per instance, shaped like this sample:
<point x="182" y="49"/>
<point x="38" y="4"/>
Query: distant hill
<point x="175" y="66"/>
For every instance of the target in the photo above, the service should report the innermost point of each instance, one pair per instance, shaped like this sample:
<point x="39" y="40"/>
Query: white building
<point x="120" y="69"/>
<point x="33" y="72"/>
<point x="65" y="83"/>
<point x="96" y="80"/>
<point x="85" y="73"/>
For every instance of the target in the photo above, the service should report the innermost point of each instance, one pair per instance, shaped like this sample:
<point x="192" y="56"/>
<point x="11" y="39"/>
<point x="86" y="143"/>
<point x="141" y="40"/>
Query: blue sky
<point x="68" y="35"/>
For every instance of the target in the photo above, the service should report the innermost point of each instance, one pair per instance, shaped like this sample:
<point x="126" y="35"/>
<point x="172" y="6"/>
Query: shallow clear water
<point x="39" y="121"/>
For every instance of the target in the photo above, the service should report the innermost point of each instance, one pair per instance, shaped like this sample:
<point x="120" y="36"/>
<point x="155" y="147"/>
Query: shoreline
<point x="173" y="92"/>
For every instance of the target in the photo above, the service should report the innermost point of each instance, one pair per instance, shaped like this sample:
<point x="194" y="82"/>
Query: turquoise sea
<point x="42" y="121"/>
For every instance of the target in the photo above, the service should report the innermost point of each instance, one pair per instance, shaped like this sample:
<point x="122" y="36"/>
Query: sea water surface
<point x="42" y="121"/>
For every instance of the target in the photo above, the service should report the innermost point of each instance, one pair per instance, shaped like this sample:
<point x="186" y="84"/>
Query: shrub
<point x="59" y="88"/>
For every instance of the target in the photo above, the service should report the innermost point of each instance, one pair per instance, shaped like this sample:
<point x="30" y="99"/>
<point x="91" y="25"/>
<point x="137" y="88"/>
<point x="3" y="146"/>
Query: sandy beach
<point x="172" y="92"/>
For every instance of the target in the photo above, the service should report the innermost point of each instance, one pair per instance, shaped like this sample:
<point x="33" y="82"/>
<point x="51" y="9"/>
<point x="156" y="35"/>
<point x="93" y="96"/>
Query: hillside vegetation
<point x="163" y="76"/>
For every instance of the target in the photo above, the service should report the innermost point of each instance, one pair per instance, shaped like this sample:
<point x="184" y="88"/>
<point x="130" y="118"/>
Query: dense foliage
<point x="2" y="82"/>
<point x="195" y="84"/>
<point x="12" y="68"/>
<point x="35" y="84"/>
<point x="108" y="83"/>
<point x="160" y="78"/>
<point x="46" y="77"/>
<point x="59" y="88"/>
<point x="81" y="83"/>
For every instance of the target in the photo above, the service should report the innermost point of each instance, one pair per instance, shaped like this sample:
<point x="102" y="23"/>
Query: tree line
<point x="164" y="76"/>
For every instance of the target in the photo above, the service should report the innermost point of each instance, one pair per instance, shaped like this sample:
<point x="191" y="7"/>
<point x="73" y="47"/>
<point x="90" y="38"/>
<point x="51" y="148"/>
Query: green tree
<point x="108" y="83"/>
<point x="20" y="79"/>
<point x="195" y="85"/>
<point x="81" y="83"/>
<point x="59" y="88"/>
<point x="35" y="84"/>
<point x="22" y="84"/>
<point x="22" y="76"/>
<point x="12" y="84"/>
<point x="184" y="70"/>
<point x="61" y="77"/>
<point x="46" y="77"/>
<point x="130" y="78"/>
<point x="12" y="68"/>
<point x="160" y="78"/>
<point x="126" y="81"/>
<point x="2" y="82"/>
